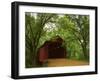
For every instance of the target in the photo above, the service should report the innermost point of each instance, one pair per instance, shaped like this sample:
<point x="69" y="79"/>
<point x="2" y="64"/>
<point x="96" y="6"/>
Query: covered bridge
<point x="52" y="49"/>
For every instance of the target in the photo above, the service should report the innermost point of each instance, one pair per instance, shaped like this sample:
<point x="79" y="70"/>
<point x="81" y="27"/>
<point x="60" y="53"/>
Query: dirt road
<point x="65" y="62"/>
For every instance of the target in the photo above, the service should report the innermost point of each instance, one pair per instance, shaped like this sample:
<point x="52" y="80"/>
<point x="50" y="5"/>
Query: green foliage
<point x="34" y="24"/>
<point x="73" y="29"/>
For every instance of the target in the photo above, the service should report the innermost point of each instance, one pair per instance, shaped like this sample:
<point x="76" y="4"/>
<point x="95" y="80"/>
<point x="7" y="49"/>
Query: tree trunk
<point x="34" y="62"/>
<point x="85" y="52"/>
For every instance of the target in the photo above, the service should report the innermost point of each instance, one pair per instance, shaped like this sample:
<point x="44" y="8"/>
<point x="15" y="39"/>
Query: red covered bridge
<point x="51" y="49"/>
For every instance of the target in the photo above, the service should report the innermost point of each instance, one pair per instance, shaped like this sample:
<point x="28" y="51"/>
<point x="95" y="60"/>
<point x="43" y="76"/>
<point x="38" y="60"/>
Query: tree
<point x="81" y="31"/>
<point x="75" y="31"/>
<point x="34" y="24"/>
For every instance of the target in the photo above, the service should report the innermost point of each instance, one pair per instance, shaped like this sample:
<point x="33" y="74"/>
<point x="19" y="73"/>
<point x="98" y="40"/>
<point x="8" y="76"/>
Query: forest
<point x="42" y="27"/>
